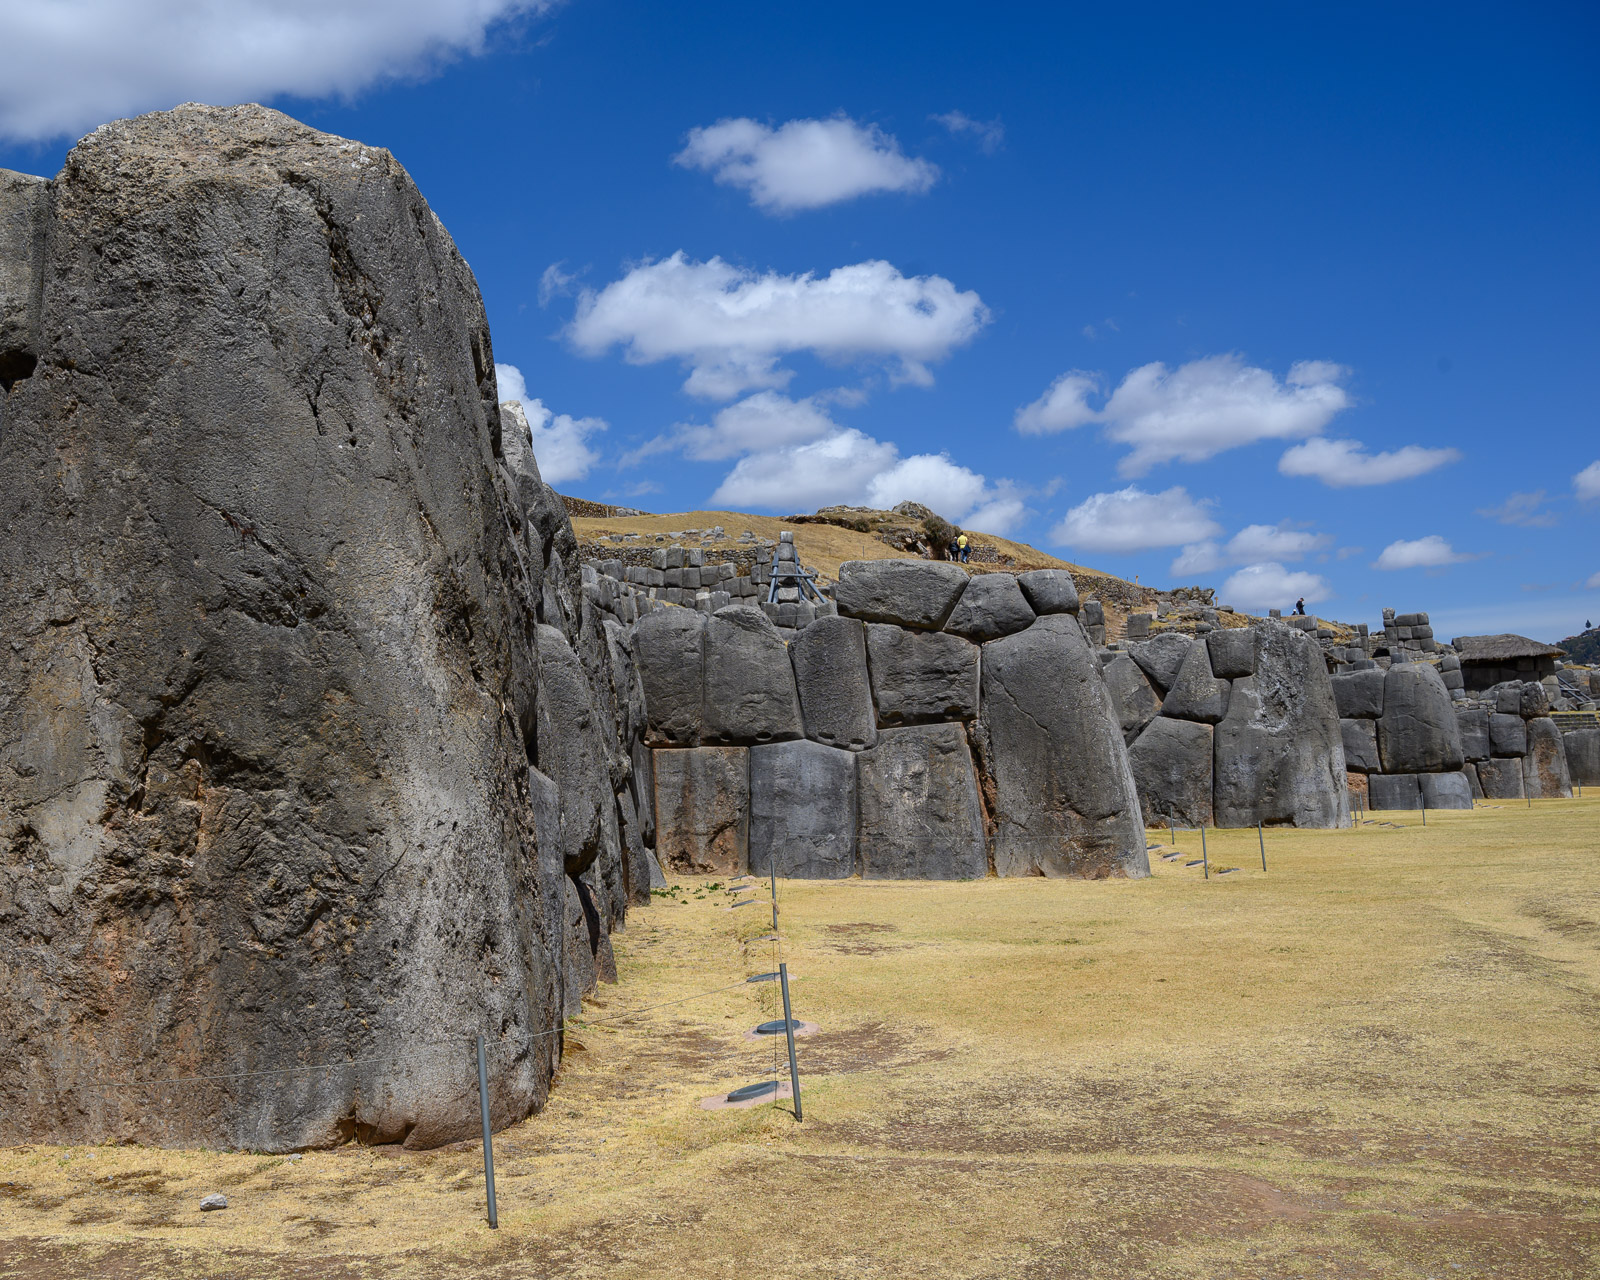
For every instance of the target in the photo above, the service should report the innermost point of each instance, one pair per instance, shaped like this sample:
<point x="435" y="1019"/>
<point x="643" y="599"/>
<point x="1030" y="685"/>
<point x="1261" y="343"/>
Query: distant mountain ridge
<point x="1584" y="647"/>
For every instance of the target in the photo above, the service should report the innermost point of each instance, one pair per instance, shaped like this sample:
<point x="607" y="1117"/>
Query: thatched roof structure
<point x="1503" y="648"/>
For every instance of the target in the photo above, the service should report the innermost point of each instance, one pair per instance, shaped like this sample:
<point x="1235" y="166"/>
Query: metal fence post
<point x="1205" y="861"/>
<point x="788" y="1030"/>
<point x="774" y="869"/>
<point x="488" y="1141"/>
<point x="1261" y="836"/>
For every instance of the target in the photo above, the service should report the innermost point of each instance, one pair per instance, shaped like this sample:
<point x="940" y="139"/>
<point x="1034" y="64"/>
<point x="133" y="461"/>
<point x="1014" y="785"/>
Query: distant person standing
<point x="1300" y="606"/>
<point x="963" y="548"/>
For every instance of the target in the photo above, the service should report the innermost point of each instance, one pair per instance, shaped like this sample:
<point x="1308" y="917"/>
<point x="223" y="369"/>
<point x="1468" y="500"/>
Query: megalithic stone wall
<point x="280" y="781"/>
<point x="944" y="729"/>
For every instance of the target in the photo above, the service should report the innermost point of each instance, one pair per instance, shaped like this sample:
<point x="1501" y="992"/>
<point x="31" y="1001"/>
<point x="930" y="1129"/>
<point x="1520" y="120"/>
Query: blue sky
<point x="1290" y="301"/>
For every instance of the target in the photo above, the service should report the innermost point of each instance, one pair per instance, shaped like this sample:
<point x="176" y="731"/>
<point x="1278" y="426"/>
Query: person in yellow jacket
<point x="963" y="548"/>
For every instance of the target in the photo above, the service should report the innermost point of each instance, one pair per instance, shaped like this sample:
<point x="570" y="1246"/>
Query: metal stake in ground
<point x="774" y="870"/>
<point x="488" y="1142"/>
<point x="1261" y="836"/>
<point x="1205" y="862"/>
<point x="788" y="1030"/>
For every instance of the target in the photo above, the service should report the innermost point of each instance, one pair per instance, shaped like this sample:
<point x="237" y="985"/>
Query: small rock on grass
<point x="214" y="1202"/>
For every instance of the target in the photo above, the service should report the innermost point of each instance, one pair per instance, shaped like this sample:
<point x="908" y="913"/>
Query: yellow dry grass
<point x="1381" y="1057"/>
<point x="822" y="547"/>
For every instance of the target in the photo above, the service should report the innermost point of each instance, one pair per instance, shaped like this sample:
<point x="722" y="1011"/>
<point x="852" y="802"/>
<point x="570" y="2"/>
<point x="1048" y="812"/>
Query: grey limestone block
<point x="1508" y="735"/>
<point x="830" y="673"/>
<point x="1134" y="702"/>
<point x="1279" y="752"/>
<point x="1454" y="680"/>
<point x="1533" y="701"/>
<point x="1445" y="790"/>
<point x="1393" y="791"/>
<point x="673" y="577"/>
<point x="1360" y="745"/>
<point x="1473" y="724"/>
<point x="1233" y="652"/>
<point x="803" y="811"/>
<point x="1583" y="756"/>
<point x="669" y="647"/>
<point x="702" y="806"/>
<point x="909" y="593"/>
<point x="691" y="579"/>
<point x="1545" y="775"/>
<point x="1160" y="657"/>
<point x="644" y="790"/>
<point x="693" y="558"/>
<point x="1417" y="732"/>
<point x="1508" y="698"/>
<point x="1093" y="614"/>
<point x="749" y="684"/>
<point x="992" y="606"/>
<point x="1470" y="769"/>
<point x="1196" y="694"/>
<point x="920" y="815"/>
<point x="1172" y="763"/>
<point x="1064" y="801"/>
<point x="1049" y="591"/>
<point x="574" y="749"/>
<point x="1359" y="694"/>
<point x="921" y="677"/>
<point x="1138" y="626"/>
<point x="1501" y="778"/>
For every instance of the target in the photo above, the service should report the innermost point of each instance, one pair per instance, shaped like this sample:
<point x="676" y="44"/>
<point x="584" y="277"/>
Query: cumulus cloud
<point x="1195" y="411"/>
<point x="804" y="164"/>
<point x="988" y="134"/>
<point x="1594" y="582"/>
<point x="75" y="64"/>
<point x="1198" y="557"/>
<point x="1133" y="520"/>
<point x="1271" y="586"/>
<point x="1521" y="509"/>
<point x="1342" y="464"/>
<point x="555" y="283"/>
<point x="730" y="326"/>
<point x="560" y="441"/>
<point x="763" y="421"/>
<point x="1586" y="484"/>
<point x="1431" y="552"/>
<point x="1260" y="542"/>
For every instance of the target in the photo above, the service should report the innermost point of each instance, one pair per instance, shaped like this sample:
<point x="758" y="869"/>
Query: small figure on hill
<point x="1300" y="606"/>
<point x="963" y="549"/>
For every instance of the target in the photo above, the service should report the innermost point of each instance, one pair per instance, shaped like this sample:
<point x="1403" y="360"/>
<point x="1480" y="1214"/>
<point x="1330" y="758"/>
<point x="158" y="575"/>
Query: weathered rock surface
<point x="1473" y="725"/>
<point x="1359" y="694"/>
<point x="1171" y="765"/>
<point x="1445" y="790"/>
<point x="830" y="673"/>
<point x="1393" y="791"/>
<point x="1233" y="652"/>
<point x="1583" y="756"/>
<point x="1501" y="778"/>
<point x="1417" y="732"/>
<point x="921" y="677"/>
<point x="1134" y="703"/>
<point x="1360" y="745"/>
<point x="1508" y="735"/>
<point x="1544" y="769"/>
<point x="1195" y="693"/>
<point x="920" y="814"/>
<point x="1279" y="751"/>
<point x="803" y="810"/>
<point x="909" y="593"/>
<point x="703" y="810"/>
<point x="992" y="606"/>
<point x="1160" y="657"/>
<point x="670" y="648"/>
<point x="269" y="697"/>
<point x="1049" y="591"/>
<point x="749" y="684"/>
<point x="1064" y="800"/>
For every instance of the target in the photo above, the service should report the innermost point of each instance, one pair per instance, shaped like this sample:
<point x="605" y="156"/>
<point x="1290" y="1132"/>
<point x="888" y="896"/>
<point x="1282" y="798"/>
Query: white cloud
<point x="1271" y="586"/>
<point x="1586" y="484"/>
<point x="559" y="441"/>
<point x="988" y="134"/>
<point x="1260" y="542"/>
<point x="1342" y="464"/>
<point x="1198" y="557"/>
<point x="804" y="164"/>
<point x="1064" y="405"/>
<point x="555" y="283"/>
<point x="1521" y="509"/>
<point x="1195" y="411"/>
<point x="75" y="64"/>
<point x="1132" y="520"/>
<point x="1430" y="552"/>
<point x="1594" y="582"/>
<point x="730" y="326"/>
<point x="931" y="479"/>
<point x="763" y="421"/>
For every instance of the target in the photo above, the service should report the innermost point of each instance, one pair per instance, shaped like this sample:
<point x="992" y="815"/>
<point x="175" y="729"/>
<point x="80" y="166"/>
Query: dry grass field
<point x="1381" y="1058"/>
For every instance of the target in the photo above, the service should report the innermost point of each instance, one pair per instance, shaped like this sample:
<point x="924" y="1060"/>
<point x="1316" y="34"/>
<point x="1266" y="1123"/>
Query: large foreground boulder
<point x="1280" y="751"/>
<point x="830" y="674"/>
<point x="269" y="693"/>
<point x="1544" y="769"/>
<point x="1064" y="800"/>
<point x="1583" y="756"/>
<point x="1418" y="731"/>
<point x="921" y="818"/>
<point x="1171" y="764"/>
<point x="702" y="807"/>
<point x="907" y="593"/>
<point x="921" y="677"/>
<point x="803" y="811"/>
<point x="749" y="684"/>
